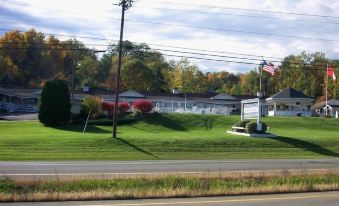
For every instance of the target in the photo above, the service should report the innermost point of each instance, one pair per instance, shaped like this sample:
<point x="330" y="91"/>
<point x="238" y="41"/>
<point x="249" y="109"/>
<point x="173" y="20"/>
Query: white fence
<point x="170" y="107"/>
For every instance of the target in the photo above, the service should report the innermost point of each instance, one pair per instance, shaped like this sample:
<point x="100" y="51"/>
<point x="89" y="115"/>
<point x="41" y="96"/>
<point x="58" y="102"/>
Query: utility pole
<point x="125" y="4"/>
<point x="72" y="82"/>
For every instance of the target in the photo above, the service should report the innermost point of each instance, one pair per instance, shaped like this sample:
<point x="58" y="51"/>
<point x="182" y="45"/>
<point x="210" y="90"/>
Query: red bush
<point x="143" y="105"/>
<point x="123" y="107"/>
<point x="109" y="106"/>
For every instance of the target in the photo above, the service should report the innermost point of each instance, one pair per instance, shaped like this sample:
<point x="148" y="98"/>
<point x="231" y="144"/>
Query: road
<point x="116" y="168"/>
<point x="301" y="199"/>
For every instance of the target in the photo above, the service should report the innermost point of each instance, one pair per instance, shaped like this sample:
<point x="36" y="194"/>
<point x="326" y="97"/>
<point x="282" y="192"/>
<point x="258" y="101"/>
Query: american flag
<point x="269" y="67"/>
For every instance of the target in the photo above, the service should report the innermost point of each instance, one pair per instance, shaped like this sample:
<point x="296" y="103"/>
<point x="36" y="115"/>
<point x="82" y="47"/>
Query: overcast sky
<point x="226" y="26"/>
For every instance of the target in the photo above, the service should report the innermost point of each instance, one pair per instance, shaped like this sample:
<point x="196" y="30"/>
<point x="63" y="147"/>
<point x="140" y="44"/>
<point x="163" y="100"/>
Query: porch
<point x="289" y="108"/>
<point x="12" y="104"/>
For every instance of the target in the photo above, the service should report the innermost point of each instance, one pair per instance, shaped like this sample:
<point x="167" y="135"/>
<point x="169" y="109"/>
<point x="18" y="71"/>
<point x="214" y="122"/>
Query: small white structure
<point x="331" y="109"/>
<point x="289" y="102"/>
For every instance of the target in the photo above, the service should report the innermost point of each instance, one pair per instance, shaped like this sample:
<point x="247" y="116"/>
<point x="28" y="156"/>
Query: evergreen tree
<point x="55" y="106"/>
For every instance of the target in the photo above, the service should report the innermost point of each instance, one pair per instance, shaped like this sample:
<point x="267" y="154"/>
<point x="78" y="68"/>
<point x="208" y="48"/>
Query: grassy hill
<point x="171" y="136"/>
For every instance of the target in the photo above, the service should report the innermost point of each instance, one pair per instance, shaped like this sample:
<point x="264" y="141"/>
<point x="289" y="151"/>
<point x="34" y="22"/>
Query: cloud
<point x="245" y="34"/>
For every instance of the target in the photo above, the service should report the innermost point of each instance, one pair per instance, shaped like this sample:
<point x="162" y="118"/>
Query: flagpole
<point x="262" y="65"/>
<point x="326" y="86"/>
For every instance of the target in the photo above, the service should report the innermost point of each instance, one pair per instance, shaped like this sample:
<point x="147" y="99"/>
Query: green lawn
<point x="172" y="136"/>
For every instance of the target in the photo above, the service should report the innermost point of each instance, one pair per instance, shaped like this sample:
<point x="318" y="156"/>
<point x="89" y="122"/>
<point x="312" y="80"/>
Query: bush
<point x="251" y="128"/>
<point x="55" y="106"/>
<point x="107" y="106"/>
<point x="264" y="127"/>
<point x="241" y="123"/>
<point x="144" y="106"/>
<point x="123" y="107"/>
<point x="93" y="104"/>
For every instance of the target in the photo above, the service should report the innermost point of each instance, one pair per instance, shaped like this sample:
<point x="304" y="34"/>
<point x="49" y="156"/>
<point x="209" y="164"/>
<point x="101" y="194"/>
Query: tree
<point x="137" y="76"/>
<point x="55" y="106"/>
<point x="8" y="70"/>
<point x="187" y="77"/>
<point x="92" y="105"/>
<point x="87" y="72"/>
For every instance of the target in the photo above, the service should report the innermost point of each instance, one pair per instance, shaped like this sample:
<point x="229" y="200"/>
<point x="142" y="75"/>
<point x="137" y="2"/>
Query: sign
<point x="250" y="110"/>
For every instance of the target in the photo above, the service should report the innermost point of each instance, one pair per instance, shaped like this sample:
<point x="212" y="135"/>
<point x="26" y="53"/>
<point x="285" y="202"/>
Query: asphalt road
<point x="301" y="199"/>
<point x="111" y="168"/>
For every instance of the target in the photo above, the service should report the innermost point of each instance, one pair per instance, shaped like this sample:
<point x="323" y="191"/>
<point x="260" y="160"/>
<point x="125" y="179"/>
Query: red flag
<point x="331" y="73"/>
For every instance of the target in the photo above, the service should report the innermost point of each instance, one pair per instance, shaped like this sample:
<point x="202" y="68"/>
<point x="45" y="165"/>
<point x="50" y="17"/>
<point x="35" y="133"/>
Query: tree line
<point x="29" y="59"/>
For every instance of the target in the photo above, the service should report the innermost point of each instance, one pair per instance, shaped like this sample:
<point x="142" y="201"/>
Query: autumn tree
<point x="187" y="77"/>
<point x="87" y="72"/>
<point x="137" y="76"/>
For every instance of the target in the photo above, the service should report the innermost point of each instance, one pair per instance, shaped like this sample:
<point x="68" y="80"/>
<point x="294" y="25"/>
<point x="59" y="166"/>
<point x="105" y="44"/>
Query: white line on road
<point x="164" y="173"/>
<point x="228" y="200"/>
<point x="167" y="162"/>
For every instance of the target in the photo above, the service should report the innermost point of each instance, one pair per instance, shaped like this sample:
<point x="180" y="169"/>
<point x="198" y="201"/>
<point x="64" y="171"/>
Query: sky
<point x="237" y="34"/>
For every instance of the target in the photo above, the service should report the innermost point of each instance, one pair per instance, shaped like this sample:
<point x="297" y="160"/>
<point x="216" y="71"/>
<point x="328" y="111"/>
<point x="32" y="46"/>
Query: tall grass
<point x="161" y="187"/>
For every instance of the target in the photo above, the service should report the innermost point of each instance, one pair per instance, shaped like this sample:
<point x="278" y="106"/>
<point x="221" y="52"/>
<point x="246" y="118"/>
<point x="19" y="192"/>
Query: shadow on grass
<point x="161" y="120"/>
<point x="80" y="128"/>
<point x="302" y="144"/>
<point x="136" y="147"/>
<point x="207" y="121"/>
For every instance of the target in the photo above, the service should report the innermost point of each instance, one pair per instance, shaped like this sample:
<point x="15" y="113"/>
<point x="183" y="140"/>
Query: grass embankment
<point x="172" y="136"/>
<point x="170" y="186"/>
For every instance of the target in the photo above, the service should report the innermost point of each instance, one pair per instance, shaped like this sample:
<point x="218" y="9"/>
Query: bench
<point x="238" y="128"/>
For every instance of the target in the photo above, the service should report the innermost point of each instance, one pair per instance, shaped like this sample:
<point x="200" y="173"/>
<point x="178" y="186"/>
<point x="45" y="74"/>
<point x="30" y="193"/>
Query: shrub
<point x="93" y="104"/>
<point x="124" y="107"/>
<point x="143" y="105"/>
<point x="264" y="127"/>
<point x="241" y="123"/>
<point x="107" y="106"/>
<point x="251" y="127"/>
<point x="55" y="106"/>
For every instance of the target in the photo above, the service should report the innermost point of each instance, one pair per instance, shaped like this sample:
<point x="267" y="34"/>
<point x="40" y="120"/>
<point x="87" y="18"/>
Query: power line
<point x="179" y="56"/>
<point x="180" y="10"/>
<point x="166" y="50"/>
<point x="212" y="55"/>
<point x="250" y="10"/>
<point x="180" y="52"/>
<point x="155" y="49"/>
<point x="241" y="15"/>
<point x="216" y="51"/>
<point x="53" y="49"/>
<point x="54" y="44"/>
<point x="232" y="30"/>
<point x="211" y="28"/>
<point x="159" y="45"/>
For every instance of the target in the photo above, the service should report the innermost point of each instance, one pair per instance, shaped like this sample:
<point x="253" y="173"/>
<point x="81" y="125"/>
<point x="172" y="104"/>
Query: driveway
<point x="19" y="116"/>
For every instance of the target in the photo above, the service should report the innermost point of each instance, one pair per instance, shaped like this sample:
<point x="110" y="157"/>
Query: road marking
<point x="227" y="201"/>
<point x="164" y="173"/>
<point x="321" y="161"/>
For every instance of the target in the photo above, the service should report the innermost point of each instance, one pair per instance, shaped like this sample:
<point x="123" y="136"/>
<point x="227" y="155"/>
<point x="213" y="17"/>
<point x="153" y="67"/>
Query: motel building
<point x="288" y="102"/>
<point x="19" y="100"/>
